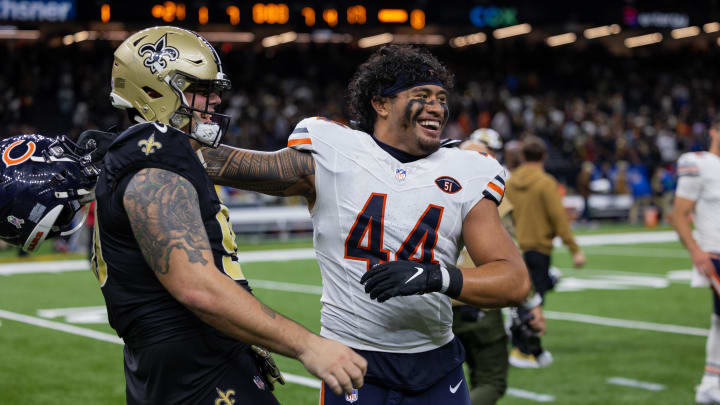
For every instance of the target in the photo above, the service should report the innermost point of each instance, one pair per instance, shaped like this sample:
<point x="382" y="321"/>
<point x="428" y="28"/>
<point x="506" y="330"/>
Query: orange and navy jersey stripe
<point x="495" y="189"/>
<point x="300" y="139"/>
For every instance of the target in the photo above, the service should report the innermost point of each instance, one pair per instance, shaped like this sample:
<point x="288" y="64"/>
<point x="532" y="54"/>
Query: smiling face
<point x="414" y="119"/>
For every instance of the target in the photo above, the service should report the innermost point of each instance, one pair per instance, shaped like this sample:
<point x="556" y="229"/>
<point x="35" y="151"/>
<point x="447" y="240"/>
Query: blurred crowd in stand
<point x="613" y="124"/>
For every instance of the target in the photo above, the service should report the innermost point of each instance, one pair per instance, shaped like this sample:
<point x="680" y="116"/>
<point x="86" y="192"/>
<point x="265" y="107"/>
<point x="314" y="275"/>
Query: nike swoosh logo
<point x="417" y="273"/>
<point x="455" y="388"/>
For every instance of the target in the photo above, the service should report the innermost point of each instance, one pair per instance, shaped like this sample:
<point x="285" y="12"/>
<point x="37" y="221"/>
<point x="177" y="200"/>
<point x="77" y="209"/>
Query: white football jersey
<point x="371" y="208"/>
<point x="699" y="180"/>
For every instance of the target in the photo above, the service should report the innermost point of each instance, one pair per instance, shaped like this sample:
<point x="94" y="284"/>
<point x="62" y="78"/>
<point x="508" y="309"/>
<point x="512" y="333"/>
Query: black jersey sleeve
<point x="152" y="145"/>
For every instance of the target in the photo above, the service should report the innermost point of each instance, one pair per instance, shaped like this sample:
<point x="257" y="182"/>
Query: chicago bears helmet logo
<point x="155" y="54"/>
<point x="10" y="160"/>
<point x="448" y="184"/>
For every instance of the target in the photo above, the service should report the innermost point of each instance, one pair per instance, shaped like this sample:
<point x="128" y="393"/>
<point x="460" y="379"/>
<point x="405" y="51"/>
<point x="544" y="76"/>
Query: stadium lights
<point x="711" y="27"/>
<point x="428" y="39"/>
<point x="603" y="31"/>
<point x="79" y="37"/>
<point x="375" y="40"/>
<point x="642" y="40"/>
<point x="274" y="40"/>
<point x="113" y="35"/>
<point x="466" y="40"/>
<point x="686" y="32"/>
<point x="562" y="39"/>
<point x="392" y="15"/>
<point x="19" y="34"/>
<point x="512" y="31"/>
<point x="323" y="38"/>
<point x="224" y="36"/>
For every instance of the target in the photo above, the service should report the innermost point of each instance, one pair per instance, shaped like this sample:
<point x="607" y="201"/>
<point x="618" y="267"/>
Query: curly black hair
<point x="382" y="70"/>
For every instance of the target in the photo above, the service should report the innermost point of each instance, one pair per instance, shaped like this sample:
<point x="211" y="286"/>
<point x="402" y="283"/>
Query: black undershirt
<point x="398" y="154"/>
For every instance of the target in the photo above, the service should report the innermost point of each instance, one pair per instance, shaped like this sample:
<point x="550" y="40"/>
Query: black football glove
<point x="522" y="334"/>
<point x="268" y="367"/>
<point x="96" y="142"/>
<point x="402" y="278"/>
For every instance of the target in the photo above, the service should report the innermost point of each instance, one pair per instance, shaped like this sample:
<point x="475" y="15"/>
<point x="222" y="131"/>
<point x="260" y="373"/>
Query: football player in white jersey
<point x="698" y="197"/>
<point x="392" y="206"/>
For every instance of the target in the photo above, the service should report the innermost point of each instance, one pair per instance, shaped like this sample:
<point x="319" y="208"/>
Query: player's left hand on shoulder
<point x="403" y="278"/>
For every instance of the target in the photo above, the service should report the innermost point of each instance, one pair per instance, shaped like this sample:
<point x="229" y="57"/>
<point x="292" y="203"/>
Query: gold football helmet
<point x="153" y="71"/>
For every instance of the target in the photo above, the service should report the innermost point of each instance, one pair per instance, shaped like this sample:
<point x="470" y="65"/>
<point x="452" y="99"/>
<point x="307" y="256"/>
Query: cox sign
<point x="491" y="16"/>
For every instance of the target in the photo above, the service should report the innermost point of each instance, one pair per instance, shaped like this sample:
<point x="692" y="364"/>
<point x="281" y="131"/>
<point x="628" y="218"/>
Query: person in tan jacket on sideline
<point x="539" y="216"/>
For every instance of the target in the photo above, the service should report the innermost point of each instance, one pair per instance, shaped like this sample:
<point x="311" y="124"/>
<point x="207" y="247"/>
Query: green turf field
<point x="620" y="283"/>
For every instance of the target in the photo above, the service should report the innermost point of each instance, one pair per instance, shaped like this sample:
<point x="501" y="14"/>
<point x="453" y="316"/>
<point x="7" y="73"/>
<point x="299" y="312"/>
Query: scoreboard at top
<point x="310" y="13"/>
<point x="313" y="14"/>
<point x="279" y="14"/>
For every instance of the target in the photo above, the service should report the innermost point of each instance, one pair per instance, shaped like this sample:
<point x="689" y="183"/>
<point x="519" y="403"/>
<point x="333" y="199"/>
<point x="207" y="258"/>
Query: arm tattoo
<point x="282" y="173"/>
<point x="164" y="213"/>
<point x="268" y="311"/>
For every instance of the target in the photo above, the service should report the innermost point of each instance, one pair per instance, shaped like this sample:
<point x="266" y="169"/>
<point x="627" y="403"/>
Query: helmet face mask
<point x="199" y="119"/>
<point x="154" y="70"/>
<point x="43" y="183"/>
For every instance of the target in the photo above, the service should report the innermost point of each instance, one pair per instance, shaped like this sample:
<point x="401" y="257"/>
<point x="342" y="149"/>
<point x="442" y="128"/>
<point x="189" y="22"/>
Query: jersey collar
<point x="401" y="156"/>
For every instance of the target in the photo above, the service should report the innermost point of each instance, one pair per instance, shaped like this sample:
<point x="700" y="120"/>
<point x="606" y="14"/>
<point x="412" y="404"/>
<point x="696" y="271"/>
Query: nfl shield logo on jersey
<point x="400" y="174"/>
<point x="352" y="397"/>
<point x="259" y="382"/>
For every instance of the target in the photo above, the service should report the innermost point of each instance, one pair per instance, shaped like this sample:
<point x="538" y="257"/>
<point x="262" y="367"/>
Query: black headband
<point x="403" y="83"/>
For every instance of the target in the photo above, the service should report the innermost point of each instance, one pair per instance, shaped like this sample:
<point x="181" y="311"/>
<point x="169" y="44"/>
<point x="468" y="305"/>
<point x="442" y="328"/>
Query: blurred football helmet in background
<point x="489" y="137"/>
<point x="43" y="183"/>
<point x="154" y="69"/>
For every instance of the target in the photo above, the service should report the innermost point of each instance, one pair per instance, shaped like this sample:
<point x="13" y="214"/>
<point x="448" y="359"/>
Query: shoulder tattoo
<point x="164" y="213"/>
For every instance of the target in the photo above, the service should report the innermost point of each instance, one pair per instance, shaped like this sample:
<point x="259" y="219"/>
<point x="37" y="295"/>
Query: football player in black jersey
<point x="164" y="250"/>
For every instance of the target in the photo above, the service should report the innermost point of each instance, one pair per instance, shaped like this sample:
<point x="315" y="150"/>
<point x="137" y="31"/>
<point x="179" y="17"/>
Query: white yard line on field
<point x="623" y="238"/>
<point x="106" y="337"/>
<point x="60" y="266"/>
<point x="636" y="252"/>
<point x="624" y="323"/>
<point x="300" y="380"/>
<point x="280" y="286"/>
<point x="533" y="396"/>
<point x="62" y="327"/>
<point x="627" y="382"/>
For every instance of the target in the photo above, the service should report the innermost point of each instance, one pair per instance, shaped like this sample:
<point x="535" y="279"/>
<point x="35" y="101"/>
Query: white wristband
<point x="532" y="302"/>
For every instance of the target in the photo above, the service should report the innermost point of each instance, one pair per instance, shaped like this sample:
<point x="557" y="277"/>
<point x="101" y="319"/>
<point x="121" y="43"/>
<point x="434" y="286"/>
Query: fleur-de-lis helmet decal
<point x="156" y="53"/>
<point x="168" y="75"/>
